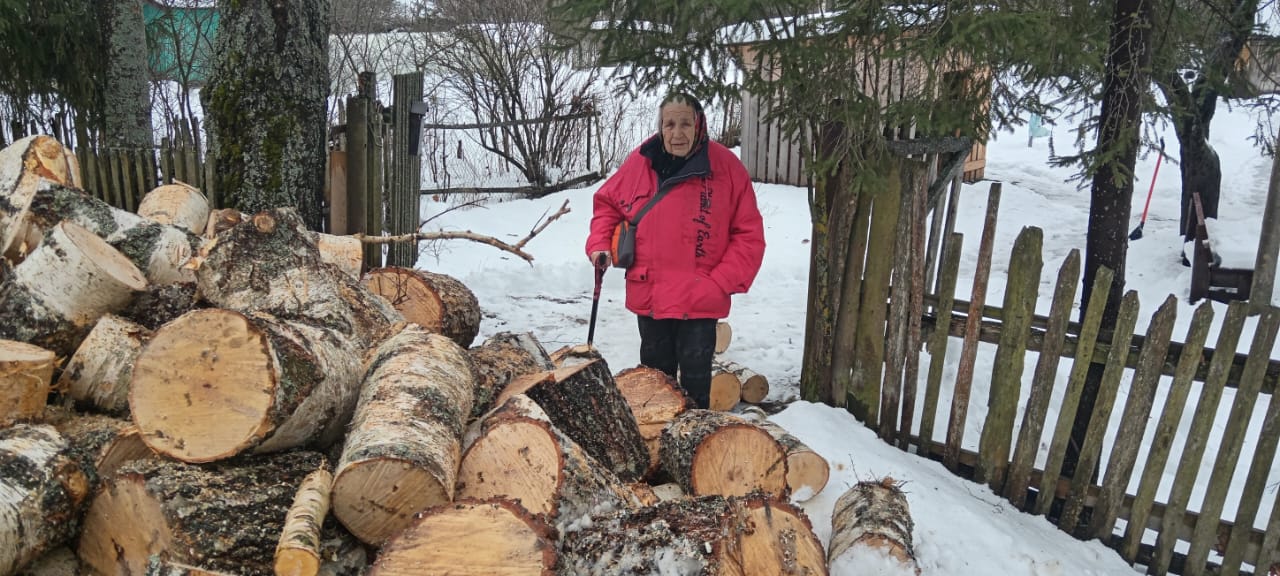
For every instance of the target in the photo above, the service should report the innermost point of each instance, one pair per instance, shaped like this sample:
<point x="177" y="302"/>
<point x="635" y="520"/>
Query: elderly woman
<point x="698" y="239"/>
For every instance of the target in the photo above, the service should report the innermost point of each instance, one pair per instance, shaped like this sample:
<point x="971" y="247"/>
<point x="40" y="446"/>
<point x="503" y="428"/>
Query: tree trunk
<point x="226" y="517"/>
<point x="871" y="515"/>
<point x="436" y="302"/>
<point x="269" y="264"/>
<point x="98" y="374"/>
<point x="824" y="274"/>
<point x="717" y="453"/>
<point x="520" y="455"/>
<point x="501" y="359"/>
<point x="655" y="400"/>
<point x="298" y="553"/>
<point x="707" y="536"/>
<point x="56" y="295"/>
<point x="41" y="491"/>
<point x="470" y="538"/>
<point x="215" y="383"/>
<point x="176" y="204"/>
<point x="265" y="105"/>
<point x="25" y="374"/>
<point x="754" y="386"/>
<point x="403" y="447"/>
<point x="127" y="94"/>
<point x="23" y="166"/>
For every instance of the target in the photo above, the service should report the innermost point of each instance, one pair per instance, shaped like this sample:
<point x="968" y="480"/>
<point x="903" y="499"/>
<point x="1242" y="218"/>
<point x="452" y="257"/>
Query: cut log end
<point x="436" y="302"/>
<point x="518" y="460"/>
<point x="108" y="550"/>
<point x="726" y="391"/>
<point x="737" y="460"/>
<point x="297" y="562"/>
<point x="25" y="373"/>
<point x="471" y="538"/>
<point x="375" y="498"/>
<point x="783" y="542"/>
<point x="873" y="515"/>
<point x="724" y="334"/>
<point x="108" y="260"/>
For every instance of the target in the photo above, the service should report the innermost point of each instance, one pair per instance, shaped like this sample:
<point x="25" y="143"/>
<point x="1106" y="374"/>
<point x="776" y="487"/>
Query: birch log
<point x="102" y="444"/>
<point x="726" y="390"/>
<point x="161" y="303"/>
<point x="25" y="374"/>
<point x="224" y="517"/>
<point x="655" y="400"/>
<point x="872" y="515"/>
<point x="215" y="383"/>
<point x="298" y="553"/>
<point x="178" y="204"/>
<point x="706" y="536"/>
<point x="501" y="359"/>
<point x="402" y="452"/>
<point x="42" y="489"/>
<point x="807" y="471"/>
<point x="718" y="453"/>
<point x="520" y="455"/>
<point x="570" y="356"/>
<point x="436" y="302"/>
<point x="98" y="374"/>
<point x="724" y="335"/>
<point x="470" y="538"/>
<point x="23" y="166"/>
<point x="54" y="297"/>
<point x="345" y="252"/>
<point x="221" y="220"/>
<point x="754" y="387"/>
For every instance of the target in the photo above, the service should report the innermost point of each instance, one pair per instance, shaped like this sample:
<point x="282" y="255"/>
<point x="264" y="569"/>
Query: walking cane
<point x="595" y="298"/>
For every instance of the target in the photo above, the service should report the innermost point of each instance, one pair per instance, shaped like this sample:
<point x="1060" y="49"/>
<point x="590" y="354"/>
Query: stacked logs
<point x="732" y="382"/>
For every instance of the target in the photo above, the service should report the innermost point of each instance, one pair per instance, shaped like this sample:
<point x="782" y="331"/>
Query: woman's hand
<point x="600" y="259"/>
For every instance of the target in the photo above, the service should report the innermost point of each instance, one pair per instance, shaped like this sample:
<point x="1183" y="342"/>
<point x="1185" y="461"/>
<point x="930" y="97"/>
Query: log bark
<point x="345" y="252"/>
<point x="221" y="220"/>
<point x="56" y="295"/>
<point x="724" y="335"/>
<point x="161" y="303"/>
<point x="717" y="453"/>
<point x="874" y="515"/>
<point x="520" y="455"/>
<point x="711" y="535"/>
<point x="470" y="538"/>
<point x="223" y="517"/>
<point x="23" y="165"/>
<point x="754" y="386"/>
<point x="436" y="302"/>
<point x="158" y="567"/>
<point x="215" y="383"/>
<point x="501" y="359"/>
<point x="102" y="444"/>
<point x="178" y="204"/>
<point x="98" y="374"/>
<point x="655" y="400"/>
<point x="25" y="375"/>
<point x="60" y="561"/>
<point x="584" y="402"/>
<point x="807" y="471"/>
<point x="298" y="553"/>
<point x="42" y="490"/>
<point x="269" y="264"/>
<point x="402" y="451"/>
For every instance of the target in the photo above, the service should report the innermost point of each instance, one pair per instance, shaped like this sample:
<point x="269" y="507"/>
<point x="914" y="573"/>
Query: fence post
<point x="406" y="169"/>
<point x="357" y="165"/>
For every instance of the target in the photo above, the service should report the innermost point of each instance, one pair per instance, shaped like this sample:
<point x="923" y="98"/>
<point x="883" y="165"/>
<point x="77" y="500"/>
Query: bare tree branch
<point x="517" y="248"/>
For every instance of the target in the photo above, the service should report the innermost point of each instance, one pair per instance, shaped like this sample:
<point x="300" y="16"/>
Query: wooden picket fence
<point x="1185" y="542"/>
<point x="121" y="177"/>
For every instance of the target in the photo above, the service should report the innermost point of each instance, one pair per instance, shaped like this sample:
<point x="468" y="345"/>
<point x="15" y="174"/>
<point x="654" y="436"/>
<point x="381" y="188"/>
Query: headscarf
<point x="664" y="163"/>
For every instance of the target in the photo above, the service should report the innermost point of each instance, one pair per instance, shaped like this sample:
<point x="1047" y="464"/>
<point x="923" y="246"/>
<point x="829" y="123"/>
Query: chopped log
<point x="436" y="302"/>
<point x="807" y="471"/>
<point x="502" y="358"/>
<point x="668" y="491"/>
<point x="215" y="383"/>
<point x="223" y="517"/>
<point x="25" y="374"/>
<point x="718" y="453"/>
<point x="102" y="444"/>
<point x="23" y="166"/>
<point x="161" y="303"/>
<point x="56" y="295"/>
<point x="345" y="252"/>
<point x="222" y="220"/>
<point x="711" y="535"/>
<point x="655" y="400"/>
<point x="60" y="561"/>
<point x="520" y="455"/>
<point x="298" y="553"/>
<point x="98" y="374"/>
<point x="42" y="490"/>
<point x="872" y="515"/>
<point x="402" y="451"/>
<point x="754" y="386"/>
<point x="162" y="567"/>
<point x="178" y="204"/>
<point x="470" y="538"/>
<point x="570" y="356"/>
<point x="724" y="334"/>
<point x="726" y="389"/>
<point x="269" y="264"/>
<point x="644" y="493"/>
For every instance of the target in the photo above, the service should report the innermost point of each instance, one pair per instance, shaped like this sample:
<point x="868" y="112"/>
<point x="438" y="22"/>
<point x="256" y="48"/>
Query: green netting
<point x="180" y="41"/>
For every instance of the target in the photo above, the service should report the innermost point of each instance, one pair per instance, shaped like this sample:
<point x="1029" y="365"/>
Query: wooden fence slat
<point x="166" y="162"/>
<point x="138" y="157"/>
<point x="119" y="180"/>
<point x="1091" y="448"/>
<point x="938" y="341"/>
<point x="210" y="182"/>
<point x="1264" y="453"/>
<point x="1133" y="420"/>
<point x="89" y="170"/>
<point x="911" y="379"/>
<point x="1193" y="450"/>
<point x="1021" y="294"/>
<point x="1024" y="455"/>
<point x="1206" y="533"/>
<point x="949" y="225"/>
<point x="969" y="353"/>
<point x="1075" y="386"/>
<point x="149" y="157"/>
<point x="130" y="181"/>
<point x="864" y="393"/>
<point x="849" y="298"/>
<point x="104" y="176"/>
<point x="899" y="296"/>
<point x="1270" y="550"/>
<point x="1162" y="441"/>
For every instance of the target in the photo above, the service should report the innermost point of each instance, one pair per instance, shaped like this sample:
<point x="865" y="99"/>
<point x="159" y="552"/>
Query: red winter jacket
<point x="697" y="245"/>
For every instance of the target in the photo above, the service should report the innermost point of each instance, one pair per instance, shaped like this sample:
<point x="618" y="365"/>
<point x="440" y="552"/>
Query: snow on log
<point x="584" y="402"/>
<point x="655" y="400"/>
<point x="269" y="264"/>
<point x="520" y="455"/>
<point x="724" y="335"/>
<point x="98" y="374"/>
<point x="711" y="452"/>
<point x="224" y="517"/>
<point x="402" y="451"/>
<point x="708" y="536"/>
<point x="215" y="383"/>
<point x="42" y="489"/>
<point x="871" y="517"/>
<point x="754" y="387"/>
<point x="178" y="204"/>
<point x="502" y="358"/>
<point x="54" y="297"/>
<point x="436" y="302"/>
<point x="25" y="375"/>
<point x="345" y="252"/>
<point x="298" y="553"/>
<point x="23" y="166"/>
<point x="471" y="538"/>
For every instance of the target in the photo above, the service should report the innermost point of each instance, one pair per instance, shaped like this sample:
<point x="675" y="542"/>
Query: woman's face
<point x="679" y="128"/>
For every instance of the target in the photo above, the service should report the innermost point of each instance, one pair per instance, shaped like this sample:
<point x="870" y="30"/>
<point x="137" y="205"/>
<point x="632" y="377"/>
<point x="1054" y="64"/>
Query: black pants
<point x="685" y="347"/>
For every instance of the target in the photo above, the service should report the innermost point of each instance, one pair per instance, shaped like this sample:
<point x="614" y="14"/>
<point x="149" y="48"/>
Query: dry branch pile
<point x="247" y="386"/>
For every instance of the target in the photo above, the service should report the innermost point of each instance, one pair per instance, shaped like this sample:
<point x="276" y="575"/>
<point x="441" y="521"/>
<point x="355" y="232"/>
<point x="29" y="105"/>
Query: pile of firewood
<point x="231" y="396"/>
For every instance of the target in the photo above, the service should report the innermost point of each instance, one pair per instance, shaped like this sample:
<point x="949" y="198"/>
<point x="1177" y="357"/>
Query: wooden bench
<point x="1210" y="280"/>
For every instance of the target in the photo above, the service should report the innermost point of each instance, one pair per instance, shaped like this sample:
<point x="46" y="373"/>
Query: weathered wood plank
<point x="949" y="226"/>
<point x="912" y="376"/>
<point x="1269" y="554"/>
<point x="938" y="343"/>
<point x="1162" y="441"/>
<point x="1264" y="453"/>
<point x="1021" y="294"/>
<point x="891" y="388"/>
<point x="969" y="353"/>
<point x="1133" y="421"/>
<point x="864" y="393"/>
<point x="847" y="301"/>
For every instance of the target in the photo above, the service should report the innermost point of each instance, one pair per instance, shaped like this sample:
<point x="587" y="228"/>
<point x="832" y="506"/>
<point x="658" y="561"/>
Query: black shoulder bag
<point x="623" y="249"/>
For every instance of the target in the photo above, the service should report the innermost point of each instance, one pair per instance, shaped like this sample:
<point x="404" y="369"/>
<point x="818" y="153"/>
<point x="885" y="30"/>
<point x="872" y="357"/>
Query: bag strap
<point x="662" y="191"/>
